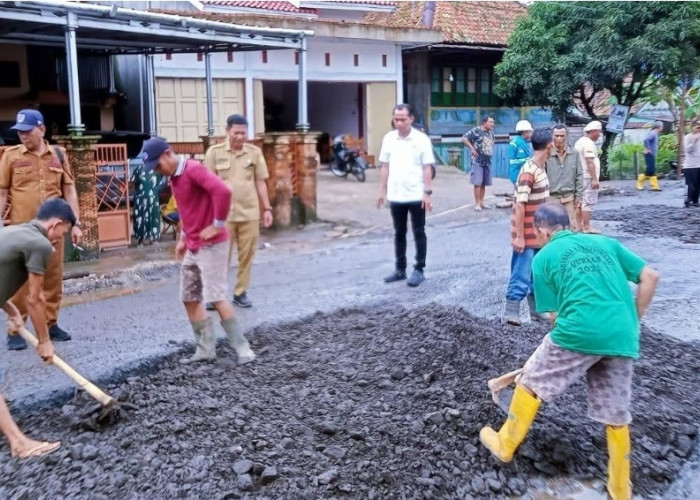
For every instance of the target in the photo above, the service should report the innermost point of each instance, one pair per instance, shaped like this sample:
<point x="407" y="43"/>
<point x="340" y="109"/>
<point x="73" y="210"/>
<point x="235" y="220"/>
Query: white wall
<point x="333" y="108"/>
<point x="281" y="63"/>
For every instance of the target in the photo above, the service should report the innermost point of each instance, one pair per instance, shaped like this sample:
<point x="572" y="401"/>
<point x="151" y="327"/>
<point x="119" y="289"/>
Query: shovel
<point x="105" y="400"/>
<point x="501" y="390"/>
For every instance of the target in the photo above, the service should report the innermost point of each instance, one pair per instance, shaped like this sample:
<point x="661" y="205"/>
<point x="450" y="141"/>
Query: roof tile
<point x="470" y="22"/>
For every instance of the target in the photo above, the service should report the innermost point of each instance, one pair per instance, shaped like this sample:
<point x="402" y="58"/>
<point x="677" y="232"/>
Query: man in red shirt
<point x="203" y="201"/>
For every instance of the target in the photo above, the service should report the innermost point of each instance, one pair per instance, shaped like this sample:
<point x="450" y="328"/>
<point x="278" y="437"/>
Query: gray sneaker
<point x="416" y="278"/>
<point x="242" y="300"/>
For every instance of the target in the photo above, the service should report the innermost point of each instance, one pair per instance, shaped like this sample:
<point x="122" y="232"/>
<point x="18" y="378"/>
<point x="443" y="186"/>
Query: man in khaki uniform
<point x="30" y="174"/>
<point x="242" y="166"/>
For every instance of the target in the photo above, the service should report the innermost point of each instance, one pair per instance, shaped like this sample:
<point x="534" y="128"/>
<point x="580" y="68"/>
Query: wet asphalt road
<point x="468" y="265"/>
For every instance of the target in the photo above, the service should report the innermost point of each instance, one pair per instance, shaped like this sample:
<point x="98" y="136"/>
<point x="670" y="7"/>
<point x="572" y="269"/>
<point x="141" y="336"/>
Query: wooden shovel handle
<point x="498" y="383"/>
<point x="80" y="381"/>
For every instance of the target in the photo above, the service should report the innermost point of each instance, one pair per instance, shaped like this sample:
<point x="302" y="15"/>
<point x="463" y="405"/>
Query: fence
<point x="112" y="191"/>
<point x="456" y="154"/>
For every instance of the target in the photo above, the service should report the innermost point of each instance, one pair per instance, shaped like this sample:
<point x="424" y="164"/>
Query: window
<point x="328" y="58"/>
<point x="462" y="87"/>
<point x="264" y="56"/>
<point x="356" y="59"/>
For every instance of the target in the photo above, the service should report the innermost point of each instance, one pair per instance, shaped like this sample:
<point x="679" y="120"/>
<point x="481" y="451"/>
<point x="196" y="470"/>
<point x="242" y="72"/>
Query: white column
<point x="210" y="95"/>
<point x="303" y="123"/>
<point x="76" y="124"/>
<point x="399" y="75"/>
<point x="151" y="91"/>
<point x="250" y="105"/>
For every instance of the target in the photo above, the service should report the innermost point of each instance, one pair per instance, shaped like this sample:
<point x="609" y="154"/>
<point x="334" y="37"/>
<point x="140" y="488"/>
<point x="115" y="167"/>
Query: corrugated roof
<point x="471" y="22"/>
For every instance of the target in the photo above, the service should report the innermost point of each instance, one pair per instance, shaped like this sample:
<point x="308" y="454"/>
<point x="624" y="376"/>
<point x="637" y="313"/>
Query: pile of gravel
<point x="367" y="404"/>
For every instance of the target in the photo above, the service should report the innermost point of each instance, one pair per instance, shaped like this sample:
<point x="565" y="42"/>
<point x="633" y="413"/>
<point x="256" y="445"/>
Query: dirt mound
<point x="657" y="221"/>
<point x="357" y="404"/>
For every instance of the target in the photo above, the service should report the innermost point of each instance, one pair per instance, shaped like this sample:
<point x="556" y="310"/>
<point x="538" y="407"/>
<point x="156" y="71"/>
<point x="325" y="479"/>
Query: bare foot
<point x="33" y="449"/>
<point x="591" y="230"/>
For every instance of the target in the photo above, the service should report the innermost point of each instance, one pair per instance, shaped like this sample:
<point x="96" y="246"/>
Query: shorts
<point x="480" y="175"/>
<point x="551" y="370"/>
<point x="590" y="196"/>
<point x="204" y="274"/>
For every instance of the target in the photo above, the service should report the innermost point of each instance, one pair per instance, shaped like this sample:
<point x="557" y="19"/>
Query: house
<point x="451" y="83"/>
<point x="354" y="71"/>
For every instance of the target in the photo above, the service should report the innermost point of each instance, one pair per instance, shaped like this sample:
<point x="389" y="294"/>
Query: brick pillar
<point x="306" y="167"/>
<point x="291" y="161"/>
<point x="277" y="150"/>
<point x="81" y="157"/>
<point x="210" y="140"/>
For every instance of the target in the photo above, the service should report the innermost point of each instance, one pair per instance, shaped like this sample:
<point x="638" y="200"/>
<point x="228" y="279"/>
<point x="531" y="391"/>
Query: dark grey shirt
<point x="565" y="177"/>
<point x="24" y="249"/>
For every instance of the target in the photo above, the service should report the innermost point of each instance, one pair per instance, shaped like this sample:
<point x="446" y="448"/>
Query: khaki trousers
<point x="53" y="288"/>
<point x="568" y="202"/>
<point x="245" y="236"/>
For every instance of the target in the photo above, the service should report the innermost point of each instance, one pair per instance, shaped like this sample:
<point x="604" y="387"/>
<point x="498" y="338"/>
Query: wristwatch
<point x="428" y="192"/>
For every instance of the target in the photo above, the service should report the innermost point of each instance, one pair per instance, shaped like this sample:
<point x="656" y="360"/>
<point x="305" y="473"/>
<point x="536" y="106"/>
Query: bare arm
<point x="590" y="166"/>
<point x="261" y="186"/>
<point x="36" y="306"/>
<point x="645" y="291"/>
<point x="383" y="184"/>
<point x="14" y="317"/>
<point x="427" y="177"/>
<point x="71" y="196"/>
<point x="469" y="145"/>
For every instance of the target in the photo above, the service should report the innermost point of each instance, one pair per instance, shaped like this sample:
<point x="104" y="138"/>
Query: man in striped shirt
<point x="532" y="191"/>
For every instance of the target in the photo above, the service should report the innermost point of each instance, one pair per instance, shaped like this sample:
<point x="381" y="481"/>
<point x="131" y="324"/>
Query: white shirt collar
<point x="180" y="166"/>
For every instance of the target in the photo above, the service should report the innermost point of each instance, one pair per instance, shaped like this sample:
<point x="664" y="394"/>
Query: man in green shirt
<point x="583" y="281"/>
<point x="25" y="250"/>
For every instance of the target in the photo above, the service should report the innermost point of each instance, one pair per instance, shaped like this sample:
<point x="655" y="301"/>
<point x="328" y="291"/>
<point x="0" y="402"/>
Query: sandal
<point x="39" y="451"/>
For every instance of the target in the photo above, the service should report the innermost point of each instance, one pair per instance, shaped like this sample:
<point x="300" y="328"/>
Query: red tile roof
<point x="470" y="22"/>
<point x="261" y="5"/>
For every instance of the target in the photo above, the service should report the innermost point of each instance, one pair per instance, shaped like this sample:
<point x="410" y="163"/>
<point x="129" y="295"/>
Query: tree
<point x="564" y="51"/>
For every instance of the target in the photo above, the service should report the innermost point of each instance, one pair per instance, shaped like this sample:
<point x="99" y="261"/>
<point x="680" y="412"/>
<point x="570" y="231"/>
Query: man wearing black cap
<point x="203" y="201"/>
<point x="242" y="167"/>
<point x="25" y="253"/>
<point x="30" y="174"/>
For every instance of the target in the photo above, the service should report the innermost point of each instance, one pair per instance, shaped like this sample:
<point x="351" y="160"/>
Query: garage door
<point x="181" y="105"/>
<point x="380" y="100"/>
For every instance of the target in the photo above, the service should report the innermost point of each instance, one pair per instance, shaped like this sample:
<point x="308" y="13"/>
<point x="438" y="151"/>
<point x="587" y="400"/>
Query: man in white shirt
<point x="406" y="157"/>
<point x="588" y="154"/>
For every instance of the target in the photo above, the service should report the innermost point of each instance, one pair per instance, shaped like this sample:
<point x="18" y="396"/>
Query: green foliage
<point x="668" y="151"/>
<point x="564" y="50"/>
<point x="622" y="157"/>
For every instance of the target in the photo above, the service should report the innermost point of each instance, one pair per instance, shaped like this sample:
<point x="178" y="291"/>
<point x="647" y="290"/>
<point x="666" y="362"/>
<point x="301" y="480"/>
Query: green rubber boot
<point x="238" y="341"/>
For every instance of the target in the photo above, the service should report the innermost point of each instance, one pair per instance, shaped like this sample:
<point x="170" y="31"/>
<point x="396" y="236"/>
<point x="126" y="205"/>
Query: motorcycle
<point x="347" y="160"/>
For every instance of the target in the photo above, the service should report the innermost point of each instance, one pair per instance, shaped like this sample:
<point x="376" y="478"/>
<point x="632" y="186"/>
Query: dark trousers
<point x="650" y="164"/>
<point x="692" y="179"/>
<point x="399" y="214"/>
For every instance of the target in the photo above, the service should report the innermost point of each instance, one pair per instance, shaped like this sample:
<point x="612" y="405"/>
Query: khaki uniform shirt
<point x="32" y="179"/>
<point x="565" y="177"/>
<point x="239" y="170"/>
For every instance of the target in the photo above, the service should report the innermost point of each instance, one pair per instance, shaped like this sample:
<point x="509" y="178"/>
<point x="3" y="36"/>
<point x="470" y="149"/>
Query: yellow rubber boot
<point x="503" y="443"/>
<point x="619" y="483"/>
<point x="654" y="182"/>
<point x="640" y="181"/>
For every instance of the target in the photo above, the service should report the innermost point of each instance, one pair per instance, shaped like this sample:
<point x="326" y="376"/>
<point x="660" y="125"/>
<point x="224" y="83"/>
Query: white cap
<point x="594" y="125"/>
<point x="523" y="126"/>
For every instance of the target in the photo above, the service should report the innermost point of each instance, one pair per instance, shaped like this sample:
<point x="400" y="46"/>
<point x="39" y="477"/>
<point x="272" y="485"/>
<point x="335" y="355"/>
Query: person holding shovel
<point x="582" y="280"/>
<point x="203" y="201"/>
<point x="25" y="251"/>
